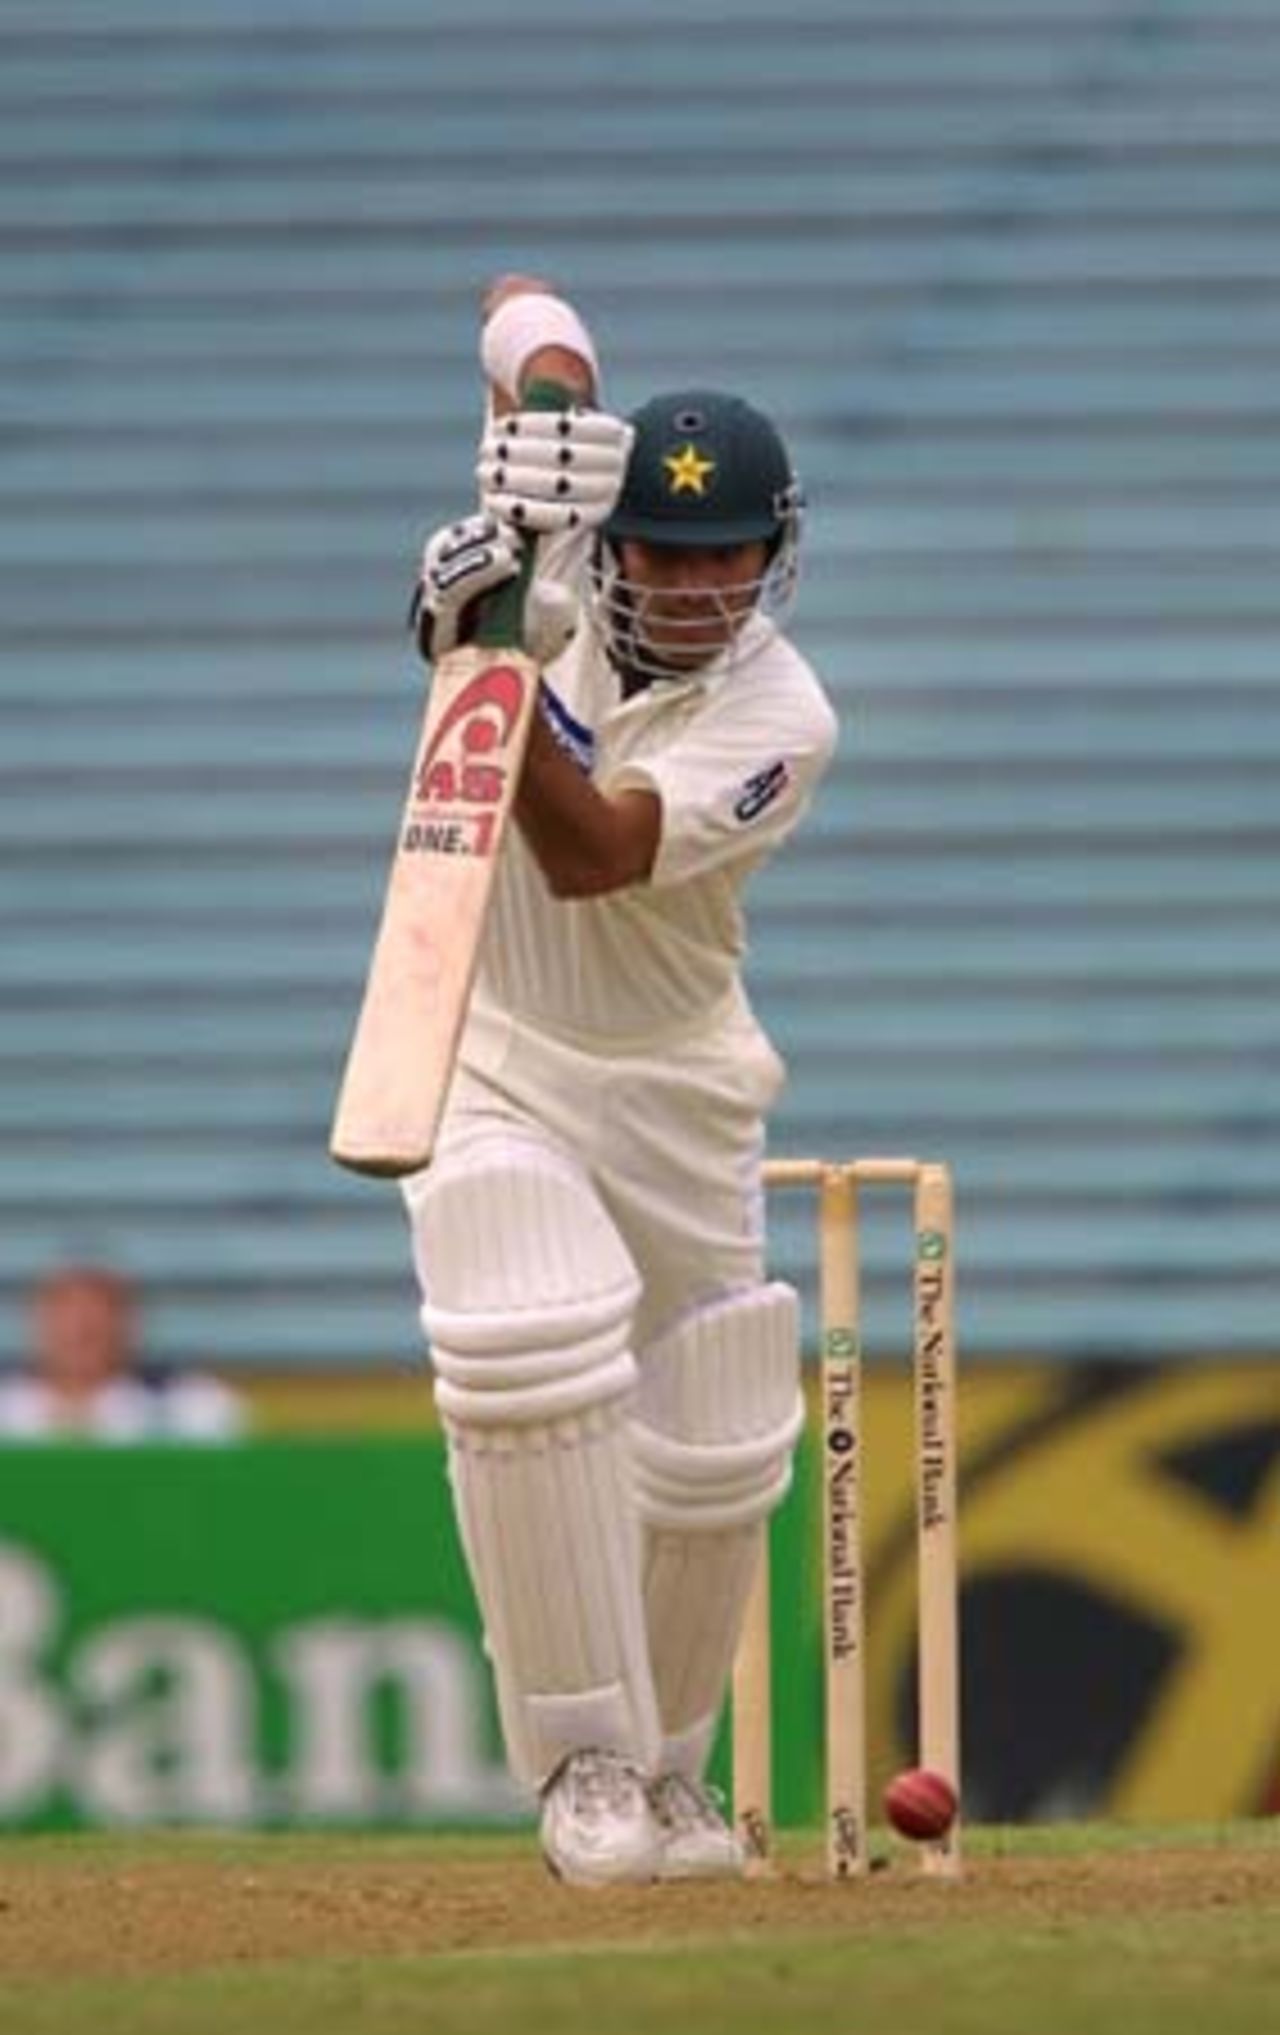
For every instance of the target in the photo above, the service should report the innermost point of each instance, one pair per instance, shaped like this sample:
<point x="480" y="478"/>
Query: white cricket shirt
<point x="734" y="754"/>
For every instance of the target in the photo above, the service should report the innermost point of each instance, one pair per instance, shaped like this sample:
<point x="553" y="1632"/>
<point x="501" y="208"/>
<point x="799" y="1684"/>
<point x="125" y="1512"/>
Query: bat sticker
<point x="461" y="776"/>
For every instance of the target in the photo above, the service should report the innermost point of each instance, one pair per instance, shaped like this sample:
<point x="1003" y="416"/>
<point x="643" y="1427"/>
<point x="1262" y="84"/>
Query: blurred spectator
<point x="85" y="1379"/>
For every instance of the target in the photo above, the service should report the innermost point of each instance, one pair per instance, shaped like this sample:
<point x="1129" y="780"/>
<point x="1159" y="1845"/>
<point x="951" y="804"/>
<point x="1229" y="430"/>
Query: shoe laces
<point x="681" y="1803"/>
<point x="597" y="1781"/>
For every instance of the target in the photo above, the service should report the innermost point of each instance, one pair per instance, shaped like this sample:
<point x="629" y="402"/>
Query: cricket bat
<point x="476" y="726"/>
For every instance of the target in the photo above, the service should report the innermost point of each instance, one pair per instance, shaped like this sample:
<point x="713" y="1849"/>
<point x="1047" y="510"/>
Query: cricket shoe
<point x="697" y="1842"/>
<point x="598" y="1826"/>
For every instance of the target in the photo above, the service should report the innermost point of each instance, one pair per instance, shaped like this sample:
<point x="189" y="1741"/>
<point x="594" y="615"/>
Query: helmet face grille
<point x="654" y="638"/>
<point x="705" y="468"/>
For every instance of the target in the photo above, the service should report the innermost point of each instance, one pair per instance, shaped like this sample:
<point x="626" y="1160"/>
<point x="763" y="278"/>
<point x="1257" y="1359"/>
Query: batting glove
<point x="545" y="470"/>
<point x="469" y="558"/>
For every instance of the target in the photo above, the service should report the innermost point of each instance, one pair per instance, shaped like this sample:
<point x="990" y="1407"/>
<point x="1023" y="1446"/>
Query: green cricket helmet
<point x="706" y="471"/>
<point x="705" y="468"/>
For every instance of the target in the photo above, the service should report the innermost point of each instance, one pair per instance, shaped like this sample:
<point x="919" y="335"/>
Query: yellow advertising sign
<point x="1120" y="1563"/>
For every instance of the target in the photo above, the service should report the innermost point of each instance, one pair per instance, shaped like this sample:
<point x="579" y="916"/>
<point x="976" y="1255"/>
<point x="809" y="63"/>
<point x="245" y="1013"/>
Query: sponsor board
<point x="1119" y="1530"/>
<point x="268" y="1634"/>
<point x="281" y="1633"/>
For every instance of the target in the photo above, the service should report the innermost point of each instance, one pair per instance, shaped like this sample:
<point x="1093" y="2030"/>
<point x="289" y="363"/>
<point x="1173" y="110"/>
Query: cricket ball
<point x="920" y="1803"/>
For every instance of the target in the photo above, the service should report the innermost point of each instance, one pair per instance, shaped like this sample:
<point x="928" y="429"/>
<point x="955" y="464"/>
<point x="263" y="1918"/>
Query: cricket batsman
<point x="617" y="1378"/>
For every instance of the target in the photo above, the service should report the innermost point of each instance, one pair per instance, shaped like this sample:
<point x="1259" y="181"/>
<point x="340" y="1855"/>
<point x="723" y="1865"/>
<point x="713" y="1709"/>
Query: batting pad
<point x="713" y="1438"/>
<point x="530" y="1293"/>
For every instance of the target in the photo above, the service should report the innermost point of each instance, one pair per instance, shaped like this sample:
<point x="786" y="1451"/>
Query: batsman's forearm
<point x="555" y="360"/>
<point x="585" y="843"/>
<point x="553" y="364"/>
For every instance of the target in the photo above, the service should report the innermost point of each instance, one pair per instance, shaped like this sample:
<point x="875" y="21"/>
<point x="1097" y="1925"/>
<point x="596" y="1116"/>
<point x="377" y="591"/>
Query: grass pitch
<point x="1072" y="1931"/>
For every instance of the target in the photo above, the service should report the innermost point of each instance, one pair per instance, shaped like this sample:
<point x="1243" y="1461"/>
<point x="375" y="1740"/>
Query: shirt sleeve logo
<point x="761" y="790"/>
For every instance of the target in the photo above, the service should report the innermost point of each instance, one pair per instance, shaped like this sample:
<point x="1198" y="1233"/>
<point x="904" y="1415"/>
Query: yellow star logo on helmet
<point x="688" y="471"/>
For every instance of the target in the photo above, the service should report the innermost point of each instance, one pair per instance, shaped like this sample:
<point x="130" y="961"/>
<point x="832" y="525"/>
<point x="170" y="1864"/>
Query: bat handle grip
<point x="500" y="615"/>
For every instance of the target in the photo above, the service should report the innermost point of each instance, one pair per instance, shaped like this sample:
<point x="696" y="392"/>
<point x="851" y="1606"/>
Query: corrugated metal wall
<point x="1009" y="276"/>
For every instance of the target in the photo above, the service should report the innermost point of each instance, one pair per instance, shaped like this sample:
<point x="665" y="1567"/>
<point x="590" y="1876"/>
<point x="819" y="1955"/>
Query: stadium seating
<point x="1007" y="274"/>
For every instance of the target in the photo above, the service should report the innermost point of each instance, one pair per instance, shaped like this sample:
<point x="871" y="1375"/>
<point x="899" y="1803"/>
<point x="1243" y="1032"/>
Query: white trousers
<point x="672" y="1139"/>
<point x="578" y="1206"/>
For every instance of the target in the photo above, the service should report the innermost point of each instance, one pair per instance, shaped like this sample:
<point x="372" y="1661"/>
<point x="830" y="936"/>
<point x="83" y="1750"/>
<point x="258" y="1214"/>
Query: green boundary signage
<point x="276" y="1634"/>
<point x="282" y="1633"/>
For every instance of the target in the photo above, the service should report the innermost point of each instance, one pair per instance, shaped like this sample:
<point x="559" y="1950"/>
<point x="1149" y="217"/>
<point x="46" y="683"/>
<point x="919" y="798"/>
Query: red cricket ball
<point x="920" y="1803"/>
